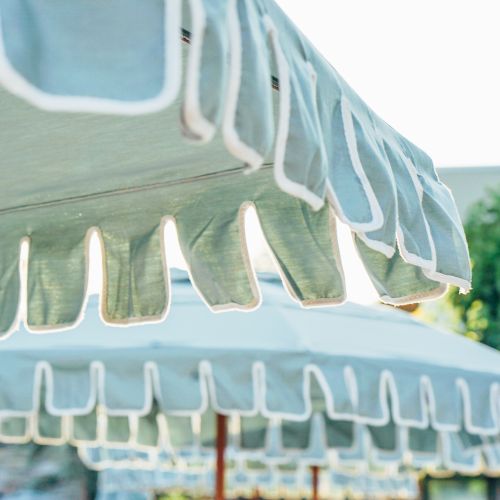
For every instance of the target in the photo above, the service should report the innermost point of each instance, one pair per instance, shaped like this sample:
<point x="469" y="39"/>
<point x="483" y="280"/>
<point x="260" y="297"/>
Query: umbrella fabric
<point x="29" y="472"/>
<point x="272" y="482"/>
<point x="309" y="445"/>
<point x="97" y="102"/>
<point x="352" y="383"/>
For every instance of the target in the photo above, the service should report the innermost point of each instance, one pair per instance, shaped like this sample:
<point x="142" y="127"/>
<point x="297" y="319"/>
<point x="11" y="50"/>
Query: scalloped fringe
<point x="449" y="452"/>
<point x="242" y="479"/>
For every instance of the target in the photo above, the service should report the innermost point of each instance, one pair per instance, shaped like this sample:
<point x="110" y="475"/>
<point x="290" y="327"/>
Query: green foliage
<point x="479" y="311"/>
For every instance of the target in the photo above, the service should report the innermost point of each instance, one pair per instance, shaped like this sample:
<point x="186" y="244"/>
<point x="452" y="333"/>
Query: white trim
<point x="15" y="83"/>
<point x="232" y="141"/>
<point x="24" y="244"/>
<point x="68" y="326"/>
<point x="422" y="459"/>
<point x="470" y="426"/>
<point x="22" y="314"/>
<point x="429" y="268"/>
<point x="208" y="396"/>
<point x="388" y="457"/>
<point x="350" y="136"/>
<point x="491" y="453"/>
<point x="286" y="184"/>
<point x="449" y="460"/>
<point x="336" y="254"/>
<point x="331" y="196"/>
<point x="392" y="389"/>
<point x="464" y="285"/>
<point x="272" y="454"/>
<point x="22" y="439"/>
<point x="310" y="303"/>
<point x="105" y="462"/>
<point x="251" y="274"/>
<point x="377" y="245"/>
<point x="134" y="321"/>
<point x="258" y="371"/>
<point x="199" y="127"/>
<point x="426" y="383"/>
<point x="204" y="394"/>
<point x="270" y="480"/>
<point x="103" y="296"/>
<point x="96" y="369"/>
<point x="100" y="432"/>
<point x="143" y="410"/>
<point x="436" y="293"/>
<point x="408" y="256"/>
<point x="50" y="441"/>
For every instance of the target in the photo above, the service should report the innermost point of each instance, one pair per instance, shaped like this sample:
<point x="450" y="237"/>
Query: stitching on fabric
<point x="120" y="191"/>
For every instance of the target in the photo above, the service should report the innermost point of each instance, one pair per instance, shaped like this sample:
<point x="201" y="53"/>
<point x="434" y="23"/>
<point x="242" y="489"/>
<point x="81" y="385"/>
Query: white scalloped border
<point x="232" y="141"/>
<point x="348" y="481"/>
<point x="451" y="454"/>
<point x="22" y="304"/>
<point x="192" y="115"/>
<point x="15" y="83"/>
<point x="43" y="376"/>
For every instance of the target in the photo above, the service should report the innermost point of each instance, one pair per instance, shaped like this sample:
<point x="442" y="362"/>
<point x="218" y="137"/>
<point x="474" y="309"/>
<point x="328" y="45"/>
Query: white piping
<point x="19" y="86"/>
<point x="282" y="180"/>
<point x="350" y="137"/>
<point x="192" y="116"/>
<point x="387" y="385"/>
<point x="408" y="256"/>
<point x="232" y="141"/>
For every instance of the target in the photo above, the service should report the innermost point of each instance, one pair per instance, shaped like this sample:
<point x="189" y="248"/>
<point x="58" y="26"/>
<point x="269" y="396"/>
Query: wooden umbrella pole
<point x="315" y="482"/>
<point x="221" y="438"/>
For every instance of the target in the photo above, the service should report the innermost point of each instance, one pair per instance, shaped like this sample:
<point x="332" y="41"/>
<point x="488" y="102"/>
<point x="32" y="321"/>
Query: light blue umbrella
<point x="117" y="116"/>
<point x="123" y="471"/>
<point x="137" y="484"/>
<point x="350" y="385"/>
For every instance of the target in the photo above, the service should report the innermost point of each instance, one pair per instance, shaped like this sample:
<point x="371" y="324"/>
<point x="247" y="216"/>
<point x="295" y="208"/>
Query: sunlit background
<point x="429" y="68"/>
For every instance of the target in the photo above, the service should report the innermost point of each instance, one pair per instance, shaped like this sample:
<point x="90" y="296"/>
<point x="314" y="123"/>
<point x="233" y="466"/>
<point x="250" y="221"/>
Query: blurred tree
<point x="479" y="311"/>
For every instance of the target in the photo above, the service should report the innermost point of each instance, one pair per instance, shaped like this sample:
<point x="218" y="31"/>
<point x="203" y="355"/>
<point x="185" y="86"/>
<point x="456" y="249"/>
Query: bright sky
<point x="430" y="68"/>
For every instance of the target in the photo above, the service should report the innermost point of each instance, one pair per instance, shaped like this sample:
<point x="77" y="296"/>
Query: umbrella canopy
<point x="345" y="385"/>
<point x="272" y="483"/>
<point x="96" y="103"/>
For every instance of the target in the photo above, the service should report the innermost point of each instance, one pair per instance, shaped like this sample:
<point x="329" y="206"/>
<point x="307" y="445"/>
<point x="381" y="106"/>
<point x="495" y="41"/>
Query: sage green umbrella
<point x="117" y="116"/>
<point x="325" y="388"/>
